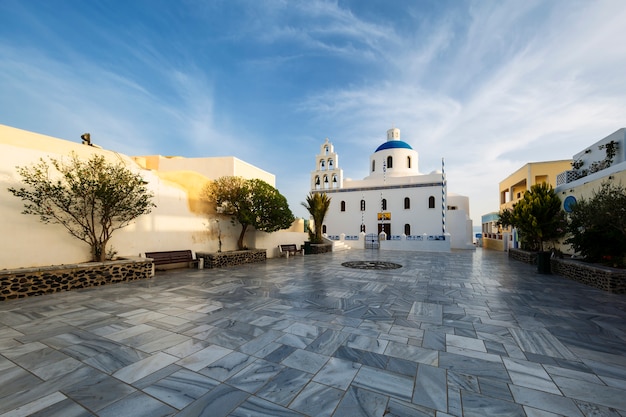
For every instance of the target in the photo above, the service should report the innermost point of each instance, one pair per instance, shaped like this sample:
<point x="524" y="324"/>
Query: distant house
<point x="512" y="189"/>
<point x="604" y="160"/>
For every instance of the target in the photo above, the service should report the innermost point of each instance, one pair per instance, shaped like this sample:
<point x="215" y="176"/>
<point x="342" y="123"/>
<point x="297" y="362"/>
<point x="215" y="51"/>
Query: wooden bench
<point x="172" y="257"/>
<point x="289" y="250"/>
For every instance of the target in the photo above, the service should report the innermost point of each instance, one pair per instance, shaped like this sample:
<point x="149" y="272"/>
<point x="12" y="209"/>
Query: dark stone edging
<point x="612" y="280"/>
<point x="605" y="278"/>
<point x="27" y="282"/>
<point x="222" y="259"/>
<point x="523" y="256"/>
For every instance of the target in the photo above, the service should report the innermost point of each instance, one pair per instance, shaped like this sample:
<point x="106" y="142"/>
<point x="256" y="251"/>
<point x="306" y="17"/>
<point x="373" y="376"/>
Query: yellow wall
<point x="210" y="167"/>
<point x="530" y="174"/>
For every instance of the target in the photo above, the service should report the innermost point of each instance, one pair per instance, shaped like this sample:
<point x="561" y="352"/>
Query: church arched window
<point x="373" y="166"/>
<point x="407" y="229"/>
<point x="324" y="229"/>
<point x="389" y="162"/>
<point x="322" y="165"/>
<point x="431" y="202"/>
<point x="407" y="203"/>
<point x="343" y="206"/>
<point x="330" y="164"/>
<point x="363" y="228"/>
<point x="384" y="204"/>
<point x="317" y="182"/>
<point x="335" y="181"/>
<point x="408" y="162"/>
<point x="326" y="150"/>
<point x="325" y="181"/>
<point x="362" y="205"/>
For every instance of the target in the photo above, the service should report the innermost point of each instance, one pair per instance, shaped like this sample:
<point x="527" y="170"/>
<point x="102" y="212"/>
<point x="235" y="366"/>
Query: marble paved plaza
<point x="456" y="334"/>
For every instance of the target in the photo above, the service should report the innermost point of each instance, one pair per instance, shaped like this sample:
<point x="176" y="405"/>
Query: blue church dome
<point x="394" y="144"/>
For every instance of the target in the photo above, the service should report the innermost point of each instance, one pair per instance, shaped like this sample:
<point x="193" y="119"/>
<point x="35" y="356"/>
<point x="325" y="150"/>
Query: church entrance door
<point x="385" y="227"/>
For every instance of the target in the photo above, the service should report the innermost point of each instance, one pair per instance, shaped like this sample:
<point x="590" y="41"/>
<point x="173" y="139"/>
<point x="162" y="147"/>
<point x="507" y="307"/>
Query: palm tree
<point x="317" y="204"/>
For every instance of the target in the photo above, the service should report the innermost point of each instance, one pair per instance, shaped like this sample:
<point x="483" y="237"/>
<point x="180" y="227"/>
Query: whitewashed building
<point x="395" y="207"/>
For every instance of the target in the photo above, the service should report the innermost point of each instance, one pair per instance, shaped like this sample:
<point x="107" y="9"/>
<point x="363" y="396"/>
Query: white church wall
<point x="394" y="184"/>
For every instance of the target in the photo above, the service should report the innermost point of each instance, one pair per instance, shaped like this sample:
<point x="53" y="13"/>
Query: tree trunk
<point x="244" y="227"/>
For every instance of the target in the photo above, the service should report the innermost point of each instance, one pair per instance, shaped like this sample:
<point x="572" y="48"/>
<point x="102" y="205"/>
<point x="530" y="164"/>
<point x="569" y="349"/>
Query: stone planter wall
<point x="26" y="282"/>
<point x="222" y="259"/>
<point x="321" y="248"/>
<point x="523" y="256"/>
<point x="608" y="279"/>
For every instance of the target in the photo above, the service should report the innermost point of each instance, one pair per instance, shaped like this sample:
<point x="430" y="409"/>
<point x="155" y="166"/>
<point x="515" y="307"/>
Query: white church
<point x="395" y="207"/>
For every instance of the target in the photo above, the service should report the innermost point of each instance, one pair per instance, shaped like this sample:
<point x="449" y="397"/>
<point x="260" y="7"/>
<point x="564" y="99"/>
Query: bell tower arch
<point x="327" y="174"/>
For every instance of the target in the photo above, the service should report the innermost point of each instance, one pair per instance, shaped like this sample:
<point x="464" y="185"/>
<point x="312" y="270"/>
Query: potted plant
<point x="317" y="205"/>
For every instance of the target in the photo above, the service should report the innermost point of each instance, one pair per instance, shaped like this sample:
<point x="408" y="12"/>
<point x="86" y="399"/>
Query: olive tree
<point x="317" y="205"/>
<point x="597" y="226"/>
<point x="251" y="202"/>
<point x="90" y="198"/>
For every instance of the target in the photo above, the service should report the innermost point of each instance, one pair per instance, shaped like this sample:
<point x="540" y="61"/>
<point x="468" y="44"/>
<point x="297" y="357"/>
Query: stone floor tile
<point x="284" y="386"/>
<point x="65" y="408"/>
<point x="593" y="393"/>
<point x="144" y="367"/>
<point x="96" y="394"/>
<point x="476" y="405"/>
<point x="305" y="361"/>
<point x="337" y="373"/>
<point x="255" y="375"/>
<point x="227" y="366"/>
<point x="219" y="402"/>
<point x="258" y="407"/>
<point x="386" y="383"/>
<point x="203" y="358"/>
<point x="137" y="405"/>
<point x="317" y="399"/>
<point x="431" y="388"/>
<point x="181" y="388"/>
<point x="362" y="403"/>
<point x="36" y="405"/>
<point x="545" y="401"/>
<point x="530" y="375"/>
<point x="397" y="408"/>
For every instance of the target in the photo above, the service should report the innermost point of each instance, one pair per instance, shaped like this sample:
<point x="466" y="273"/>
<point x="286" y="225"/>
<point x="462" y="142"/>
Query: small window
<point x="407" y="229"/>
<point x="373" y="166"/>
<point x="431" y="202"/>
<point x="362" y="205"/>
<point x="324" y="229"/>
<point x="383" y="204"/>
<point x="343" y="206"/>
<point x="389" y="162"/>
<point x="363" y="228"/>
<point x="408" y="162"/>
<point x="407" y="203"/>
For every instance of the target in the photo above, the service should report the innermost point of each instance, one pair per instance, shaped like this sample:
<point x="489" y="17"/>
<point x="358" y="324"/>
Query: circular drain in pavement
<point x="371" y="265"/>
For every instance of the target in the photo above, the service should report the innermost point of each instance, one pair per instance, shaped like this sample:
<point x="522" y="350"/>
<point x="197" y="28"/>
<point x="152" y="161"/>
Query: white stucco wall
<point x="178" y="222"/>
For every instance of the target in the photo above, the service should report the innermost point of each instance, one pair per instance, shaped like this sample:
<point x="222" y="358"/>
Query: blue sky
<point x="487" y="85"/>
